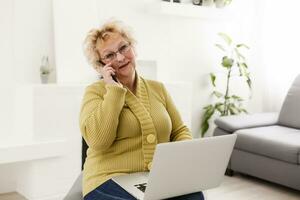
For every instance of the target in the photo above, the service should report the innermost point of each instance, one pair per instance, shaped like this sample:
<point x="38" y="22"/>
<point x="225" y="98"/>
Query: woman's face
<point x="117" y="51"/>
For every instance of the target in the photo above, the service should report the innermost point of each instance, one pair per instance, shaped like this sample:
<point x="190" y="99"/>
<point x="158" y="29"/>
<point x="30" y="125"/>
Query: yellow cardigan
<point x="122" y="129"/>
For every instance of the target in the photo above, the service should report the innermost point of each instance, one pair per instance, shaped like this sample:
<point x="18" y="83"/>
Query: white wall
<point x="32" y="38"/>
<point x="6" y="66"/>
<point x="182" y="46"/>
<point x="26" y="34"/>
<point x="72" y="20"/>
<point x="6" y="86"/>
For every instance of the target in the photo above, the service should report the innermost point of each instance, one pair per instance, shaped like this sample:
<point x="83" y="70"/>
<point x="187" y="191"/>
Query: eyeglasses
<point x="113" y="55"/>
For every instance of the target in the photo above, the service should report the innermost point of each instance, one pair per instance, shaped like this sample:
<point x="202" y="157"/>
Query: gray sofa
<point x="268" y="144"/>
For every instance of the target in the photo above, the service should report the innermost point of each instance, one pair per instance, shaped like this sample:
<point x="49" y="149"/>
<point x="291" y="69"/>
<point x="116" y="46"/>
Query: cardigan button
<point x="149" y="165"/>
<point x="151" y="138"/>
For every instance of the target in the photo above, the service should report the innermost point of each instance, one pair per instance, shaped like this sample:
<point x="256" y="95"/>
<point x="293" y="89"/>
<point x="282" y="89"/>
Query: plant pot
<point x="44" y="78"/>
<point x="208" y="3"/>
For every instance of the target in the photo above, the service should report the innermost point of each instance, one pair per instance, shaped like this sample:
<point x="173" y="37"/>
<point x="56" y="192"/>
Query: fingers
<point x="107" y="72"/>
<point x="107" y="67"/>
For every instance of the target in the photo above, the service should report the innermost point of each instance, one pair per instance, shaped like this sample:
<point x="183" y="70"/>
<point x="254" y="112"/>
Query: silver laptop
<point x="180" y="168"/>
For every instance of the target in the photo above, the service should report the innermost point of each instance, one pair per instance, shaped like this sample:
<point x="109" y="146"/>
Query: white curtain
<point x="280" y="43"/>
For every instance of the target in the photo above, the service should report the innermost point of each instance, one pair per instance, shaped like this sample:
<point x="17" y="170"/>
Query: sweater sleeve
<point x="179" y="130"/>
<point x="99" y="116"/>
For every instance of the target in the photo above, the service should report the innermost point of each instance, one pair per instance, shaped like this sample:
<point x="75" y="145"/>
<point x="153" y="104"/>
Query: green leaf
<point x="244" y="65"/>
<point x="226" y="38"/>
<point x="239" y="55"/>
<point x="219" y="107"/>
<point x="243" y="110"/>
<point x="213" y="79"/>
<point x="242" y="45"/>
<point x="235" y="97"/>
<point x="223" y="113"/>
<point x="207" y="107"/>
<point x="217" y="94"/>
<point x="204" y="128"/>
<point x="232" y="109"/>
<point x="249" y="82"/>
<point x="240" y="69"/>
<point x="220" y="47"/>
<point x="205" y="118"/>
<point x="227" y="62"/>
<point x="209" y="112"/>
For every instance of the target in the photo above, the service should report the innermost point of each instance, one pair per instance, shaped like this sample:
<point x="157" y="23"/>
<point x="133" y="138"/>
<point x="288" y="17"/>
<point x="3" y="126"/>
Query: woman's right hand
<point x="107" y="72"/>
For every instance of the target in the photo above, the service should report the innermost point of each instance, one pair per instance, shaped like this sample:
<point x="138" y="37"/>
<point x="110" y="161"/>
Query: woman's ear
<point x="99" y="69"/>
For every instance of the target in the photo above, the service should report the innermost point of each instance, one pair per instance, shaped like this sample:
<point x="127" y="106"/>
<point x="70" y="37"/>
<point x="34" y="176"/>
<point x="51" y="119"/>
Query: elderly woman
<point x="123" y="116"/>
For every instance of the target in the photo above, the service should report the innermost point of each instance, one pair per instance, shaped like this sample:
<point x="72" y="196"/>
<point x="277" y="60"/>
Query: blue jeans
<point x="112" y="191"/>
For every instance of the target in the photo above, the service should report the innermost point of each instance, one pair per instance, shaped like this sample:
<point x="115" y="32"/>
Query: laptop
<point x="180" y="168"/>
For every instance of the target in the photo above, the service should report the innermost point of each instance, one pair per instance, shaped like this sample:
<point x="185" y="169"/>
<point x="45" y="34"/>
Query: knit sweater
<point x="122" y="128"/>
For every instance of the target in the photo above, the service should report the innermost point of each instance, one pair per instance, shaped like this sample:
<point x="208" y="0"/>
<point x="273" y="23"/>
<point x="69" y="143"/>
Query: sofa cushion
<point x="290" y="110"/>
<point x="278" y="142"/>
<point x="235" y="122"/>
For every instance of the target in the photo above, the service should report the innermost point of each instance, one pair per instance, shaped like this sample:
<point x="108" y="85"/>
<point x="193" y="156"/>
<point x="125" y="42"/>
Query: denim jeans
<point x="112" y="191"/>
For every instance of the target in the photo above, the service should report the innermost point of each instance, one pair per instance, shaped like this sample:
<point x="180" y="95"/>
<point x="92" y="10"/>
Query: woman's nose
<point x="120" y="56"/>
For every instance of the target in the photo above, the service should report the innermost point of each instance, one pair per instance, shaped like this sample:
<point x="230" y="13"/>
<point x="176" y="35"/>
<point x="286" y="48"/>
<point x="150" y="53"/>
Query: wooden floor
<point x="238" y="187"/>
<point x="249" y="188"/>
<point x="11" y="196"/>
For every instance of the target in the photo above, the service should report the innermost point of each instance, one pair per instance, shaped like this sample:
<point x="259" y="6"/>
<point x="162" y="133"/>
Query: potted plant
<point x="45" y="69"/>
<point x="226" y="103"/>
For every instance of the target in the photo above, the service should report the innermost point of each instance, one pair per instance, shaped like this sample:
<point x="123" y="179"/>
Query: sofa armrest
<point x="236" y="122"/>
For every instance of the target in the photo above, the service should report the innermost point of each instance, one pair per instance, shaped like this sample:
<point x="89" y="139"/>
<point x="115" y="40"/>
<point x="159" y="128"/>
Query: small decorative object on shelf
<point x="186" y="1"/>
<point x="45" y="69"/>
<point x="207" y="3"/>
<point x="222" y="3"/>
<point x="197" y="2"/>
<point x="173" y="1"/>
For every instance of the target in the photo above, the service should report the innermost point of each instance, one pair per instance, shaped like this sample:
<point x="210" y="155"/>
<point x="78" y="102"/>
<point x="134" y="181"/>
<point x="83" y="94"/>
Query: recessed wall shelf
<point x="12" y="151"/>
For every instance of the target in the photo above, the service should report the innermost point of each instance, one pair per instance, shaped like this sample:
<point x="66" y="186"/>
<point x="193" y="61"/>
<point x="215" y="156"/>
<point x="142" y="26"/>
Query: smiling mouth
<point x="124" y="65"/>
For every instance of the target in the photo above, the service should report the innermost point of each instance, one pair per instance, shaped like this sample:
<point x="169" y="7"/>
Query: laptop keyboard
<point x="141" y="186"/>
